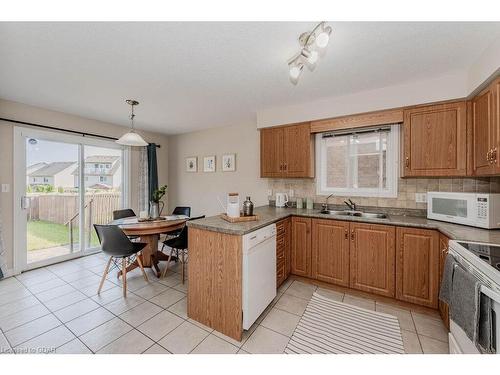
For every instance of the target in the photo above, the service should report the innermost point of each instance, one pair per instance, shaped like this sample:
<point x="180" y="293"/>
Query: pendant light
<point x="132" y="138"/>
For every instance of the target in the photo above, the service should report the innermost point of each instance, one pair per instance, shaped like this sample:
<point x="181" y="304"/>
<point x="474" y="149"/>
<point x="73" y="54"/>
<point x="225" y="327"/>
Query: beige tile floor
<point x="56" y="310"/>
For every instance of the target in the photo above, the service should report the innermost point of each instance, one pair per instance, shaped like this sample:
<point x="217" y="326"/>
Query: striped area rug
<point x="329" y="326"/>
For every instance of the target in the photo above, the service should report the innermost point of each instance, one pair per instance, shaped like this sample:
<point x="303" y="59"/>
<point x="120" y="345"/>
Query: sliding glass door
<point x="64" y="184"/>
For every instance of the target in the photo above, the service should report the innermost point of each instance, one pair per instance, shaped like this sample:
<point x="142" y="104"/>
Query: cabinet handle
<point x="281" y="167"/>
<point x="352" y="234"/>
<point x="407" y="162"/>
<point x="494" y="155"/>
<point x="488" y="156"/>
<point x="285" y="166"/>
<point x="346" y="234"/>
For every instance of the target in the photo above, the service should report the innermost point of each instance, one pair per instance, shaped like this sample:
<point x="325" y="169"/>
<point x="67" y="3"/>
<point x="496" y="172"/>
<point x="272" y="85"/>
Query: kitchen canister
<point x="299" y="203"/>
<point x="309" y="203"/>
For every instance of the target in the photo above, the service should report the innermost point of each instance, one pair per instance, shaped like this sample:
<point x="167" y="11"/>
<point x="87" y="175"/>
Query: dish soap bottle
<point x="247" y="207"/>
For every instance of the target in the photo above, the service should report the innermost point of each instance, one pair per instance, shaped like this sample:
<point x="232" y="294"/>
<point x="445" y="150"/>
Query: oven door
<point x="452" y="207"/>
<point x="459" y="342"/>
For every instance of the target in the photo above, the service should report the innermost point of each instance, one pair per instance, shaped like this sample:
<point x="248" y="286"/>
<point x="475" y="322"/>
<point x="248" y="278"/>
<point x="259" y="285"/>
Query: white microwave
<point x="474" y="209"/>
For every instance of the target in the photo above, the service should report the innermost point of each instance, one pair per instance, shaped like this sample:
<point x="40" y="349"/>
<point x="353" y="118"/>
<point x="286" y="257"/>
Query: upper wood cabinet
<point x="287" y="151"/>
<point x="485" y="131"/>
<point x="301" y="246"/>
<point x="372" y="257"/>
<point x="435" y="140"/>
<point x="330" y="251"/>
<point x="417" y="266"/>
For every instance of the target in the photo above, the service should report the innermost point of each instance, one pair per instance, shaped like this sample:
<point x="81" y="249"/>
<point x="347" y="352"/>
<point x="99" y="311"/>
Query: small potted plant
<point x="154" y="205"/>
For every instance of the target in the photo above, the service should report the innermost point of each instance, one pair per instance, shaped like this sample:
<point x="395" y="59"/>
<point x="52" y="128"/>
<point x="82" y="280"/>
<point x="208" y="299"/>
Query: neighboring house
<point x="57" y="174"/>
<point x="101" y="172"/>
<point x="32" y="168"/>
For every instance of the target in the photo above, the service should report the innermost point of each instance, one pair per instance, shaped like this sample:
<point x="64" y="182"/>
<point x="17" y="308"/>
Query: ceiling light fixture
<point x="131" y="138"/>
<point x="311" y="44"/>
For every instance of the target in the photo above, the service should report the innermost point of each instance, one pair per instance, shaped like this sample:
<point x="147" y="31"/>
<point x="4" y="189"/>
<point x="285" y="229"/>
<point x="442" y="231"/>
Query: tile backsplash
<point x="406" y="190"/>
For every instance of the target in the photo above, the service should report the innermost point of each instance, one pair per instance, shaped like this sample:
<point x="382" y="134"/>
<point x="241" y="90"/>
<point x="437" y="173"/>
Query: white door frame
<point x="19" y="189"/>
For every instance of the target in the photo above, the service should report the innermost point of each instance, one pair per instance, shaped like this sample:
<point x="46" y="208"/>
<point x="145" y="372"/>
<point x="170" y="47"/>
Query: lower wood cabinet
<point x="443" y="251"/>
<point x="330" y="251"/>
<point x="372" y="257"/>
<point x="417" y="266"/>
<point x="301" y="246"/>
<point x="283" y="256"/>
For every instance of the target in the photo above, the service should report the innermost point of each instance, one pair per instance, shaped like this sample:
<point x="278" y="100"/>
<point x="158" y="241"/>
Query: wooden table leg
<point x="150" y="256"/>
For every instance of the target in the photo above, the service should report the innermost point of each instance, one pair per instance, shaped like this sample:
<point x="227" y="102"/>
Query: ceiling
<point x="191" y="76"/>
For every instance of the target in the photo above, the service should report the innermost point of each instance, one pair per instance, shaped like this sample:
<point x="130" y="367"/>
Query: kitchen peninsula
<point x="399" y="257"/>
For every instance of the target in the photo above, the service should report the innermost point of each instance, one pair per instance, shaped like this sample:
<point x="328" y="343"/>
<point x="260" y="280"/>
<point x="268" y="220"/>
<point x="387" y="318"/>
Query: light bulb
<point x="313" y="57"/>
<point x="322" y="39"/>
<point x="295" y="71"/>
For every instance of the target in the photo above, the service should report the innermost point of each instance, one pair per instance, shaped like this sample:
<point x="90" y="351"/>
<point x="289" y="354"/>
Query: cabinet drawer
<point x="280" y="241"/>
<point x="280" y="273"/>
<point x="280" y="255"/>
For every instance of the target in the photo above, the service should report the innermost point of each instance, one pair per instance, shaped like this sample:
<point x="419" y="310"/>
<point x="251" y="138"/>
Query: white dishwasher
<point x="259" y="272"/>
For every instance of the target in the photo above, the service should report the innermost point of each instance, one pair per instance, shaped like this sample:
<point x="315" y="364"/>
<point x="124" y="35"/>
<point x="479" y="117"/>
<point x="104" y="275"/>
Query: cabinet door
<point x="288" y="247"/>
<point x="483" y="131"/>
<point x="417" y="266"/>
<point x="435" y="141"/>
<point x="372" y="258"/>
<point x="301" y="246"/>
<point x="330" y="251"/>
<point x="271" y="152"/>
<point x="443" y="251"/>
<point x="298" y="149"/>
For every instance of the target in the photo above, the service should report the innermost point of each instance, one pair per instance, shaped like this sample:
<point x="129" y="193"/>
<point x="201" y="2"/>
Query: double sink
<point x="371" y="215"/>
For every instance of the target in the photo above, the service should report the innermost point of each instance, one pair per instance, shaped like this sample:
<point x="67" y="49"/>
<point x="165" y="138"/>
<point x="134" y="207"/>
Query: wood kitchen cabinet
<point x="434" y="140"/>
<point x="443" y="251"/>
<point x="287" y="151"/>
<point x="485" y="131"/>
<point x="330" y="251"/>
<point x="372" y="257"/>
<point x="417" y="266"/>
<point x="301" y="247"/>
<point x="283" y="256"/>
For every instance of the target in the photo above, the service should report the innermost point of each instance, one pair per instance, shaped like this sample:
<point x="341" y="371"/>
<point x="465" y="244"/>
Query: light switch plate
<point x="270" y="193"/>
<point x="421" y="197"/>
<point x="5" y="188"/>
<point x="291" y="193"/>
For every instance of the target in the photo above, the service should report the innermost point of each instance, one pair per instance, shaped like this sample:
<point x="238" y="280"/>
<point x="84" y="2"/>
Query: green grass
<point x="44" y="234"/>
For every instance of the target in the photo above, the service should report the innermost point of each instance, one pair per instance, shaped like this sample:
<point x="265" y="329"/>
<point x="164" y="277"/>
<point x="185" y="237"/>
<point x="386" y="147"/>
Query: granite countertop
<point x="268" y="215"/>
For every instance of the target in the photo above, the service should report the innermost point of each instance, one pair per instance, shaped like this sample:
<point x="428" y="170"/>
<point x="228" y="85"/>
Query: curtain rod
<point x="59" y="129"/>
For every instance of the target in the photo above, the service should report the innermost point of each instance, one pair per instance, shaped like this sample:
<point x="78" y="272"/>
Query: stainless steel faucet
<point x="325" y="205"/>
<point x="350" y="204"/>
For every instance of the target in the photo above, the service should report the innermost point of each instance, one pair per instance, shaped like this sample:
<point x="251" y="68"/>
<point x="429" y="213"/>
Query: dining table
<point x="149" y="233"/>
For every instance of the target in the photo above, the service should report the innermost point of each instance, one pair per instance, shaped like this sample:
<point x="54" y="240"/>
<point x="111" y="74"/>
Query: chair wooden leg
<point x="168" y="263"/>
<point x="139" y="262"/>
<point x="124" y="276"/>
<point x="106" y="270"/>
<point x="182" y="261"/>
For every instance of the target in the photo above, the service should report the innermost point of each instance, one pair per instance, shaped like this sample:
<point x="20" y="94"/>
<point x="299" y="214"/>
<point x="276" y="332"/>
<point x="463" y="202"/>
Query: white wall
<point x="200" y="190"/>
<point x="487" y="65"/>
<point x="451" y="86"/>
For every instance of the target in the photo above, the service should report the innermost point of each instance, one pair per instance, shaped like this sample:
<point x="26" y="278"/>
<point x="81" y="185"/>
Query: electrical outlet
<point x="270" y="193"/>
<point x="5" y="188"/>
<point x="421" y="197"/>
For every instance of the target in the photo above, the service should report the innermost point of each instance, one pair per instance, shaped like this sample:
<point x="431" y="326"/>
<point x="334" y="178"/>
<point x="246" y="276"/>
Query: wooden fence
<point x="61" y="207"/>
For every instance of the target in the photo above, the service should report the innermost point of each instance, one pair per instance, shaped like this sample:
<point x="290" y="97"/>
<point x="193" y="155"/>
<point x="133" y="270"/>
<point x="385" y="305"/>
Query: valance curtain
<point x="152" y="169"/>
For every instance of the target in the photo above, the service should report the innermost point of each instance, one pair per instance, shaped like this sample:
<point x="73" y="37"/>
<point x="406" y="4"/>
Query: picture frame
<point x="209" y="163"/>
<point x="192" y="164"/>
<point x="229" y="163"/>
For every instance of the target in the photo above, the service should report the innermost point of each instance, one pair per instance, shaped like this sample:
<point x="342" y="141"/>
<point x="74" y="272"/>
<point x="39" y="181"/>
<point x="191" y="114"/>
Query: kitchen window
<point x="358" y="163"/>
